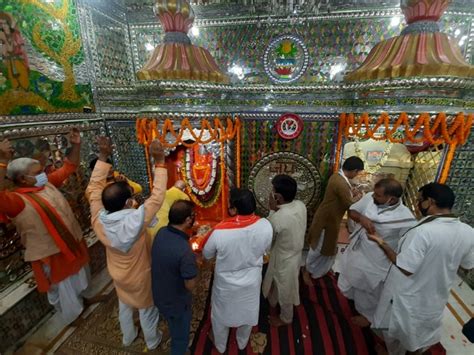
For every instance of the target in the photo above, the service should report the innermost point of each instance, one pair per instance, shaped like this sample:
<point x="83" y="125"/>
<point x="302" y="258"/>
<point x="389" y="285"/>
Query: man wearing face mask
<point x="415" y="293"/>
<point x="364" y="266"/>
<point x="48" y="227"/>
<point x="122" y="229"/>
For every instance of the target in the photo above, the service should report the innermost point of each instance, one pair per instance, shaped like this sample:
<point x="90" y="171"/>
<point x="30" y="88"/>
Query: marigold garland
<point x="147" y="130"/>
<point x="435" y="133"/>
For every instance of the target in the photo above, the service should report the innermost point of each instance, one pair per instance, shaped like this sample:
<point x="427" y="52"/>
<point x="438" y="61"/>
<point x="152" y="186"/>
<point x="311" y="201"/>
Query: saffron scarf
<point x="235" y="222"/>
<point x="63" y="238"/>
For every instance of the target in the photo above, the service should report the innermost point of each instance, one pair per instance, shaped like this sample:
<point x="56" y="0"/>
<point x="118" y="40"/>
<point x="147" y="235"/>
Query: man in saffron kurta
<point x="49" y="231"/>
<point x="122" y="230"/>
<point x="238" y="244"/>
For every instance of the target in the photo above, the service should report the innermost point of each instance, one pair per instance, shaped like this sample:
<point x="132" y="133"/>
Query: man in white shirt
<point x="288" y="219"/>
<point x="410" y="310"/>
<point x="238" y="244"/>
<point x="364" y="265"/>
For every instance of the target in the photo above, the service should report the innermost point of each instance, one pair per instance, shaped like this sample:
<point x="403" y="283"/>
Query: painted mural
<point x="42" y="66"/>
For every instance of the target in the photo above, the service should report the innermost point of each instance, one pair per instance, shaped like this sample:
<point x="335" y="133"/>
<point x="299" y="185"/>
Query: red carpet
<point x="321" y="325"/>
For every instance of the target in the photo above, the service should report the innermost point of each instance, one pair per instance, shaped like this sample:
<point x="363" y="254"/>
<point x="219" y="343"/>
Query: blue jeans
<point x="179" y="326"/>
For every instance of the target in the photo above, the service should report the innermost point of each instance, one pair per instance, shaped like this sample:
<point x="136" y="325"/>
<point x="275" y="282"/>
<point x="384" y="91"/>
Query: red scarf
<point x="235" y="222"/>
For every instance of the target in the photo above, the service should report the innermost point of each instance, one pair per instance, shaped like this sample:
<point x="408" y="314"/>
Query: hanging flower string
<point x="147" y="130"/>
<point x="435" y="133"/>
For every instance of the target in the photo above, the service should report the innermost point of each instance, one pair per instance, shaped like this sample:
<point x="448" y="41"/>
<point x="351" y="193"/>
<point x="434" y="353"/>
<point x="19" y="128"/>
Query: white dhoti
<point x="316" y="264"/>
<point x="66" y="297"/>
<point x="149" y="318"/>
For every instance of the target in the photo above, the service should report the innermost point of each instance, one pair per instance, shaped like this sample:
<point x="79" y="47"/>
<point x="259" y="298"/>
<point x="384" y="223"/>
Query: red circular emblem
<point x="289" y="126"/>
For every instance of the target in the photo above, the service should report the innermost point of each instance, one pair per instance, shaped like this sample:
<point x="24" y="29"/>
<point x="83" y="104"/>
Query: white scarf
<point x="124" y="227"/>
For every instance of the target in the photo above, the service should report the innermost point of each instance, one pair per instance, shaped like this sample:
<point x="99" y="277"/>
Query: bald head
<point x="391" y="187"/>
<point x="180" y="184"/>
<point x="115" y="196"/>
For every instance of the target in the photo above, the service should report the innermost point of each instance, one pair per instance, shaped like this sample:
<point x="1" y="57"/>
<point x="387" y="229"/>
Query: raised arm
<point x="98" y="179"/>
<point x="71" y="162"/>
<point x="154" y="202"/>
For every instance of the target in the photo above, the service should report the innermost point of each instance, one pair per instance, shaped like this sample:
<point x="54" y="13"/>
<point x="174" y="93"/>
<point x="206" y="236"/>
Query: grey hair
<point x="19" y="167"/>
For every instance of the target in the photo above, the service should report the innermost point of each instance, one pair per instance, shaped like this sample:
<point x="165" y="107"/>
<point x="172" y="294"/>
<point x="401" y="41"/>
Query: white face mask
<point x="41" y="179"/>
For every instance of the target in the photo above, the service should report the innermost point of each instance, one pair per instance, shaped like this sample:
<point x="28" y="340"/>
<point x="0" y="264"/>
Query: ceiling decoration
<point x="420" y="50"/>
<point x="176" y="57"/>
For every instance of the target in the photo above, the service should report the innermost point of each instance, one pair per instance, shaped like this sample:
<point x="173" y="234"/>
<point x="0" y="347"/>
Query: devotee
<point x="174" y="272"/>
<point x="115" y="176"/>
<point x="173" y="194"/>
<point x="324" y="230"/>
<point x="364" y="266"/>
<point x="122" y="230"/>
<point x="49" y="230"/>
<point x="288" y="220"/>
<point x="410" y="310"/>
<point x="238" y="244"/>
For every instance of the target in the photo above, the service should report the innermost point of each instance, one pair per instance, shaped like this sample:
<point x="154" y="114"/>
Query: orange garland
<point x="457" y="132"/>
<point x="147" y="130"/>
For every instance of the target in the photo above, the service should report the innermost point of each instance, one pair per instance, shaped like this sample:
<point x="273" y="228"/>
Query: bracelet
<point x="160" y="165"/>
<point x="3" y="165"/>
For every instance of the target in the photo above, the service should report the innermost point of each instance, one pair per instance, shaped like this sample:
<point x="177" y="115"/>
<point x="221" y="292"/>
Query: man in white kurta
<point x="281" y="284"/>
<point x="364" y="265"/>
<point x="416" y="291"/>
<point x="238" y="244"/>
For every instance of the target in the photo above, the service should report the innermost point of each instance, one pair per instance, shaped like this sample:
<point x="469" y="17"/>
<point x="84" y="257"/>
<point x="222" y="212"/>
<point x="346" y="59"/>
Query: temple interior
<point x="237" y="91"/>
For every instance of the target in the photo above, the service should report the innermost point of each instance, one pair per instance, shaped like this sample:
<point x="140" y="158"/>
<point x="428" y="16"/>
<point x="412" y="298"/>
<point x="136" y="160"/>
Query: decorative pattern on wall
<point x="425" y="170"/>
<point x="260" y="138"/>
<point x="43" y="67"/>
<point x="460" y="179"/>
<point x="331" y="45"/>
<point x="129" y="155"/>
<point x="111" y="54"/>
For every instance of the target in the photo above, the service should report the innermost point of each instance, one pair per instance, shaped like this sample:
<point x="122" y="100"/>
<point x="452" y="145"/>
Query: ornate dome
<point x="177" y="57"/>
<point x="420" y="50"/>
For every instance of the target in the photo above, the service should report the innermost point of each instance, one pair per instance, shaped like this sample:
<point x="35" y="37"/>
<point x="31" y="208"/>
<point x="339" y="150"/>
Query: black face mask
<point x="423" y="211"/>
